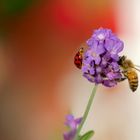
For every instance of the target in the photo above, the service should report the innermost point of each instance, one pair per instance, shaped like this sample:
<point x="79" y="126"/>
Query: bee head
<point x="125" y="63"/>
<point x="122" y="59"/>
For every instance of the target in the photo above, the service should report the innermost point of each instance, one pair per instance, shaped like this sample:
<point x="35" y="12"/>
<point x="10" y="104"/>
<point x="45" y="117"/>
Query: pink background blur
<point x="39" y="83"/>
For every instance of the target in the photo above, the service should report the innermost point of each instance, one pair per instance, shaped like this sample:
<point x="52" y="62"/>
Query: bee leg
<point x="123" y="71"/>
<point x="118" y="80"/>
<point x="121" y="79"/>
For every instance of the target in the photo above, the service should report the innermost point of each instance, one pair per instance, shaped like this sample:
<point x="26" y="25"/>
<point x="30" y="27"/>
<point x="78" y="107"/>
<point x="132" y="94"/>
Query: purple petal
<point x="88" y="60"/>
<point x="109" y="44"/>
<point x="69" y="135"/>
<point x="115" y="57"/>
<point x="97" y="60"/>
<point x="93" y="56"/>
<point x="84" y="69"/>
<point x="118" y="47"/>
<point x="89" y="77"/>
<point x="98" y="49"/>
<point x="73" y="124"/>
<point x="98" y="79"/>
<point x="69" y="117"/>
<point x="118" y="75"/>
<point x="92" y="71"/>
<point x="78" y="121"/>
<point x="90" y="42"/>
<point x="115" y="66"/>
<point x="98" y="69"/>
<point x="109" y="83"/>
<point x="70" y="121"/>
<point x="103" y="63"/>
<point x="107" y="56"/>
<point x="114" y="46"/>
<point x="110" y="75"/>
<point x="101" y="34"/>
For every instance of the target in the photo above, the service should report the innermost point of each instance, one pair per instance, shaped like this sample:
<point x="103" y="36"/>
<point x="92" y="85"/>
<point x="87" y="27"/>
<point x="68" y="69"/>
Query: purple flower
<point x="114" y="47"/>
<point x="100" y="60"/>
<point x="72" y="123"/>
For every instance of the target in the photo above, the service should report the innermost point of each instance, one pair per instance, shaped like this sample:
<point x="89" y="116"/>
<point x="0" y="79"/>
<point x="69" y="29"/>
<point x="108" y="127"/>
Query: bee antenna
<point x="124" y="57"/>
<point x="137" y="66"/>
<point x="136" y="69"/>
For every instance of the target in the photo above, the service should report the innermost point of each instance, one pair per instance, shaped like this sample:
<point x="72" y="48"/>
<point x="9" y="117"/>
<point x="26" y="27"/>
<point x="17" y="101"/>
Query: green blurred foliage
<point x="10" y="9"/>
<point x="14" y="7"/>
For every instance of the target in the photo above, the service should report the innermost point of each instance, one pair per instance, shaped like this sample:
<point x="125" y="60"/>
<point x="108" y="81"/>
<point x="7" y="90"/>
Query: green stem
<point x="86" y="111"/>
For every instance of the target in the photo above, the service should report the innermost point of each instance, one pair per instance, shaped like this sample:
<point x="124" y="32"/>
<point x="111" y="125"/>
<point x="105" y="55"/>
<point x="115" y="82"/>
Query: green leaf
<point x="87" y="135"/>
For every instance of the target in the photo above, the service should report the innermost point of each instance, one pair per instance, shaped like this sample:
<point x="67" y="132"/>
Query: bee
<point x="79" y="58"/>
<point x="129" y="72"/>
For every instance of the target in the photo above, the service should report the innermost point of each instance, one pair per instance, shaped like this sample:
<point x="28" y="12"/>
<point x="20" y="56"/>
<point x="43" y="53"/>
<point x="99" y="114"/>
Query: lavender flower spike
<point x="72" y="123"/>
<point x="100" y="60"/>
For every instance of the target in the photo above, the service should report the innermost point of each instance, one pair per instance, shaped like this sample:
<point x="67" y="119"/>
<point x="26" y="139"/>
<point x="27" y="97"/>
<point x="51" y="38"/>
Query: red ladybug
<point x="79" y="58"/>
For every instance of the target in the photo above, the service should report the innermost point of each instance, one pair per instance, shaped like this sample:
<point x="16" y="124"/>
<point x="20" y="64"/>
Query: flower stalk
<point x="86" y="112"/>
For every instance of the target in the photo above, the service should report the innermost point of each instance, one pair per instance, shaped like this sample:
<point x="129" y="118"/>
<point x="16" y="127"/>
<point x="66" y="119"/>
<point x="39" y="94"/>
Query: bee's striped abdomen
<point x="132" y="79"/>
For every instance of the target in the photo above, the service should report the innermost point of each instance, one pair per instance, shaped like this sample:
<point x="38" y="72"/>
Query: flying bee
<point x="79" y="58"/>
<point x="129" y="72"/>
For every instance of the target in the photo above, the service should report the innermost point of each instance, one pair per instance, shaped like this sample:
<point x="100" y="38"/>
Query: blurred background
<point x="39" y="83"/>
